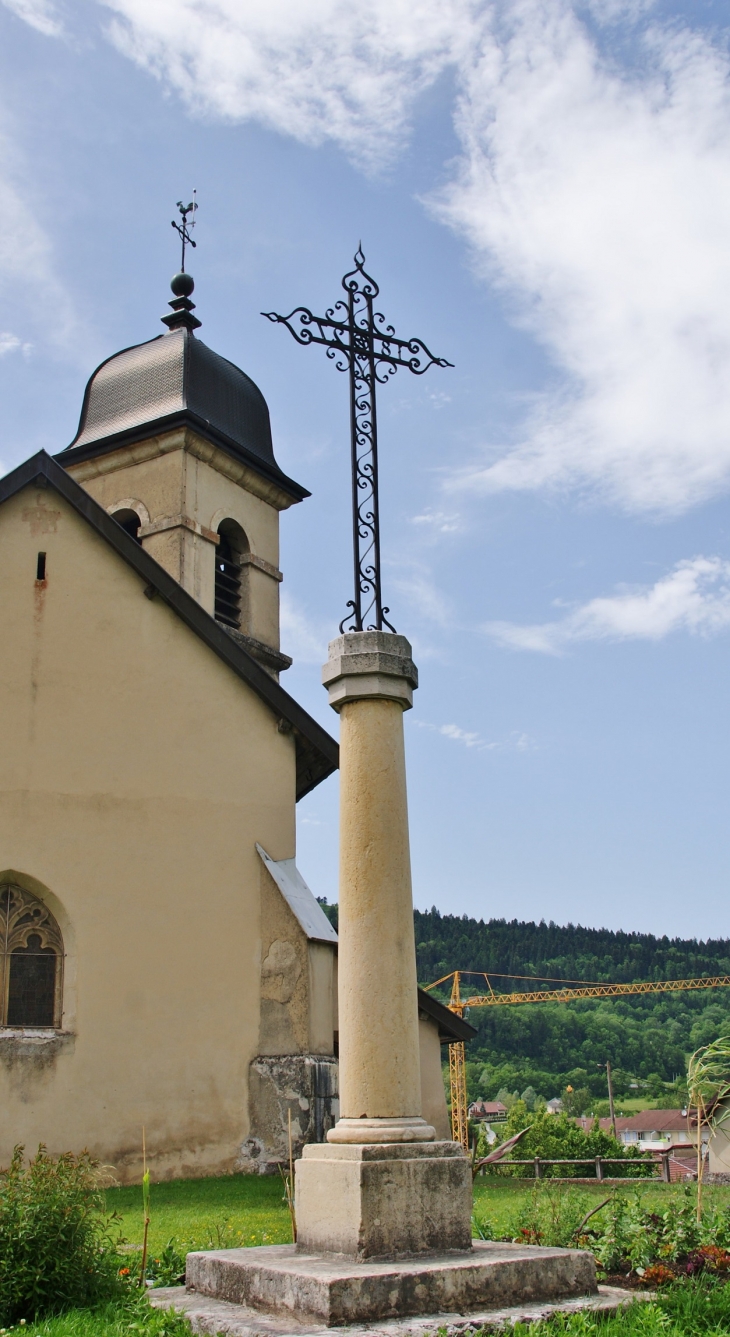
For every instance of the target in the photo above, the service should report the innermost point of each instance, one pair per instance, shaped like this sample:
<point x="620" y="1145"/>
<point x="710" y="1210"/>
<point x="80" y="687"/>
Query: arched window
<point x="229" y="592"/>
<point x="31" y="961"/>
<point x="130" y="522"/>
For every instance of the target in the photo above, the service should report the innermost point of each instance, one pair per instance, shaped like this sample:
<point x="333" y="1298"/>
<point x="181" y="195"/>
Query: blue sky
<point x="542" y="191"/>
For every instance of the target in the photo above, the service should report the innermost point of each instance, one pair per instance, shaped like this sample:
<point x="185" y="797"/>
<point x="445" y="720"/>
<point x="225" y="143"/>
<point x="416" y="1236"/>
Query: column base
<point x="390" y="1200"/>
<point x="302" y="1288"/>
<point x="368" y="1131"/>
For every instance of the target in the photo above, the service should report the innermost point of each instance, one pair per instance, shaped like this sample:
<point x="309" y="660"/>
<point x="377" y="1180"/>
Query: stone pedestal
<point x="381" y="1201"/>
<point x="305" y="1288"/>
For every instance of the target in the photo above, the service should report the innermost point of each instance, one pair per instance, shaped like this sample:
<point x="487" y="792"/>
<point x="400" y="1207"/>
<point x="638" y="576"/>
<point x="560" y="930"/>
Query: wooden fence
<point x="537" y="1163"/>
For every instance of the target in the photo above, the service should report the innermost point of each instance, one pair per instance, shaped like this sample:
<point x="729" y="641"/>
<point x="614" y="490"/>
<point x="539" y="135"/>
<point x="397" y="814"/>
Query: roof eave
<point x="104" y="445"/>
<point x="451" y="1026"/>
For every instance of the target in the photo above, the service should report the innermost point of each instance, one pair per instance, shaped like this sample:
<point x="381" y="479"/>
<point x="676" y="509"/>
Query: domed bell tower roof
<point x="172" y="381"/>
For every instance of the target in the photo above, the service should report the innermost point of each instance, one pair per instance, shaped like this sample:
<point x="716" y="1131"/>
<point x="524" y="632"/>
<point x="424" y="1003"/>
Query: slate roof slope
<point x="173" y="380"/>
<point x="303" y="904"/>
<point x="317" y="753"/>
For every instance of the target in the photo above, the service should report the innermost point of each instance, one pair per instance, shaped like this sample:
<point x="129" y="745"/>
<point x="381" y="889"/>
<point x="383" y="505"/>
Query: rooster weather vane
<point x="358" y="340"/>
<point x="184" y="227"/>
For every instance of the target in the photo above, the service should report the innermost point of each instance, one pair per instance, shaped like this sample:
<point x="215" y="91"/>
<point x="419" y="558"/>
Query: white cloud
<point x="596" y="196"/>
<point x="466" y="737"/>
<point x="417" y="591"/>
<point x="8" y="343"/>
<point x="600" y="201"/>
<point x="694" y="597"/>
<point x="29" y="282"/>
<point x="314" y="69"/>
<point x="517" y="741"/>
<point x="463" y="736"/>
<point x="439" y="521"/>
<point x="301" y="637"/>
<point x="39" y="14"/>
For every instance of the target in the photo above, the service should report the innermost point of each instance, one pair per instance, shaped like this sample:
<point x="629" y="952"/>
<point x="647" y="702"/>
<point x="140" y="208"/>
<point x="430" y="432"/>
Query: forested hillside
<point x="451" y="942"/>
<point x="548" y="1045"/>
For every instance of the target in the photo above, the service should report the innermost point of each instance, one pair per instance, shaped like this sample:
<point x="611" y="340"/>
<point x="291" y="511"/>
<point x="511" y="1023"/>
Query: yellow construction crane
<point x="565" y="992"/>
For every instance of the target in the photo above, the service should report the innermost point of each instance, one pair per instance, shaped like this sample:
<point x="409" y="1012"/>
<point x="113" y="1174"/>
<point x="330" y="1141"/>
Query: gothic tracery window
<point x="31" y="961"/>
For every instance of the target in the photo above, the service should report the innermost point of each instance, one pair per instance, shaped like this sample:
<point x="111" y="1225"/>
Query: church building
<point x="163" y="965"/>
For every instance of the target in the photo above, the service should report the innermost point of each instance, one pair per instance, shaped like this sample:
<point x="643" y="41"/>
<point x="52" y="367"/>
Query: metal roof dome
<point x="174" y="380"/>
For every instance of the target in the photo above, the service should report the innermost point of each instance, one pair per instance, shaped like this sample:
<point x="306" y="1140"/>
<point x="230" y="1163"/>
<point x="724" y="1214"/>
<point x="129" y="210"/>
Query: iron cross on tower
<point x="184" y="227"/>
<point x="358" y="340"/>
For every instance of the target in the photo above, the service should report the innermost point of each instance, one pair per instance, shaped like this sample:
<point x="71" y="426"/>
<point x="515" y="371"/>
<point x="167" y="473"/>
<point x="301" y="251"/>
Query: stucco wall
<point x="136" y="774"/>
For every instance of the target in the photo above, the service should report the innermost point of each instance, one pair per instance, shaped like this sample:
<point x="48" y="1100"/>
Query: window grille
<point x="31" y="961"/>
<point x="227" y="583"/>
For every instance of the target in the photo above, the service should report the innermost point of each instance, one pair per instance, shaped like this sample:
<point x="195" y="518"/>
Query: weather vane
<point x="185" y="227"/>
<point x="359" y="341"/>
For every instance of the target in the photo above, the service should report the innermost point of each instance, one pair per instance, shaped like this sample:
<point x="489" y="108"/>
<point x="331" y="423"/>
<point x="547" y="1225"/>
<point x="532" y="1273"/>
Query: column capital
<point x="370" y="665"/>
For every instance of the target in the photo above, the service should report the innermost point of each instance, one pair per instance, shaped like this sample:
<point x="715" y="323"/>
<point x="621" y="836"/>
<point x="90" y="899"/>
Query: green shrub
<point x="56" y="1250"/>
<point x="556" y="1137"/>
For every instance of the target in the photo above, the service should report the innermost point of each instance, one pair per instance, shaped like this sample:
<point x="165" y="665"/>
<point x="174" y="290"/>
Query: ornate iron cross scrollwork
<point x="358" y="340"/>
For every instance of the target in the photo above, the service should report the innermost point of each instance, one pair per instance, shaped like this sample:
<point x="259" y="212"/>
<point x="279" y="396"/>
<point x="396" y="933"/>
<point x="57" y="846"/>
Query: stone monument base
<point x="383" y="1200"/>
<point x="214" y="1317"/>
<point x="285" y="1280"/>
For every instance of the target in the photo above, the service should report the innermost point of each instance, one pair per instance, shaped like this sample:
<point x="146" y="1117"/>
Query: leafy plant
<point x="550" y="1216"/>
<point x="56" y="1246"/>
<point x="556" y="1137"/>
<point x="168" y="1268"/>
<point x="708" y="1085"/>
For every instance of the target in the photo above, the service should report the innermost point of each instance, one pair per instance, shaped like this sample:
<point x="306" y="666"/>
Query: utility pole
<point x="611" y="1109"/>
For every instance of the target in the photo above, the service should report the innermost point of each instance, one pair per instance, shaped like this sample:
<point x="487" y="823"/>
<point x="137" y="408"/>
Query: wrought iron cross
<point x="358" y="340"/>
<point x="184" y="227"/>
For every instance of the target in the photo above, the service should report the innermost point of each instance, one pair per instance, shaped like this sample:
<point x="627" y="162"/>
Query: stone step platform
<point x="333" y="1289"/>
<point x="214" y="1317"/>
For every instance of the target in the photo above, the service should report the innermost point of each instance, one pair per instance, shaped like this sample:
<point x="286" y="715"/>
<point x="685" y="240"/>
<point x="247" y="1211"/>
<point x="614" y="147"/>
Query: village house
<point x="488" y="1111"/>
<point x="163" y="965"/>
<point x="650" y="1130"/>
<point x="657" y="1131"/>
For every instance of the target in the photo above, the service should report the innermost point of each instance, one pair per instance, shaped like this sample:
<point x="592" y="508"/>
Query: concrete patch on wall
<point x="305" y="1085"/>
<point x="30" y="1059"/>
<point x="280" y="971"/>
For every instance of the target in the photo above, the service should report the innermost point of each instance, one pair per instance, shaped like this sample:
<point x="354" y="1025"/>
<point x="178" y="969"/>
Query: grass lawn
<point x="499" y="1199"/>
<point x="133" y="1318"/>
<point x="245" y="1210"/>
<point x="240" y="1210"/>
<point x="227" y="1213"/>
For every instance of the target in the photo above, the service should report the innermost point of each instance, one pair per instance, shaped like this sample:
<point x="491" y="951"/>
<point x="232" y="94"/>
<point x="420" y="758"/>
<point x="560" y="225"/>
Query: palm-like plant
<point x="708" y="1088"/>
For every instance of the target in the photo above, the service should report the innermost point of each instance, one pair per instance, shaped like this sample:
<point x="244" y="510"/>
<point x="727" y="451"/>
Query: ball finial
<point x="182" y="284"/>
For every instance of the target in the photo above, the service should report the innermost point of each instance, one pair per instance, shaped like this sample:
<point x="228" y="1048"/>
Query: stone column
<point x="381" y="1186"/>
<point x="370" y="677"/>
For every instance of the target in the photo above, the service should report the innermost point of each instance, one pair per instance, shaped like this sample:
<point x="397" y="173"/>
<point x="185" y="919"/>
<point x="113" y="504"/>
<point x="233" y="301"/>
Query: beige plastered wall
<point x="137" y="773"/>
<point x="719" y="1150"/>
<point x="433" y="1096"/>
<point x="187" y="487"/>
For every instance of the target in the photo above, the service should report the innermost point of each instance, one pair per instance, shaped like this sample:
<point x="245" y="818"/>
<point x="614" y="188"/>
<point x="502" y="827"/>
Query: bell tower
<point x="175" y="442"/>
